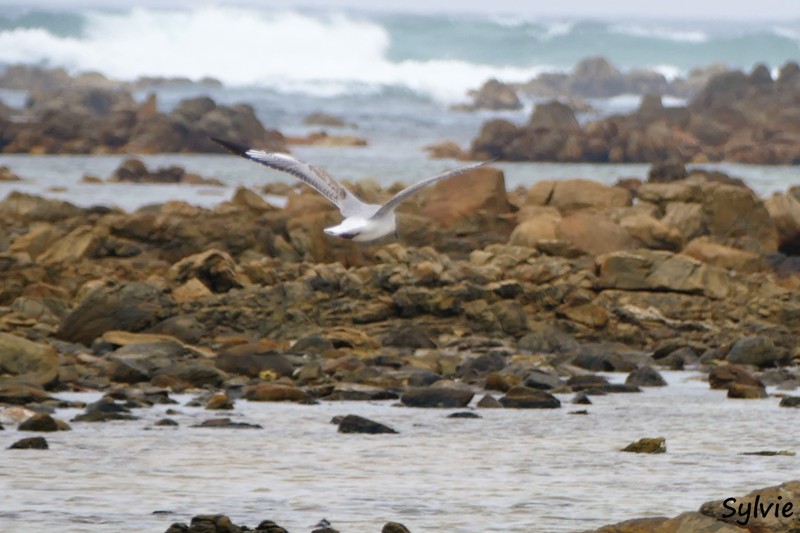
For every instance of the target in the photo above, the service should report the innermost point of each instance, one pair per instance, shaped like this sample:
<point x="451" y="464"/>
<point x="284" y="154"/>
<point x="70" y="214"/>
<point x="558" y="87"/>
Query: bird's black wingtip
<point x="236" y="148"/>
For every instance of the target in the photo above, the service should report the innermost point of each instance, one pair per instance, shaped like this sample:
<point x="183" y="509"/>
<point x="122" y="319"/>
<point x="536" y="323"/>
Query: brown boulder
<point x="129" y="307"/>
<point x="649" y="232"/>
<point x="661" y="271"/>
<point x="493" y="95"/>
<point x="480" y="191"/>
<point x="784" y="210"/>
<point x="275" y="392"/>
<point x="721" y="256"/>
<point x="593" y="233"/>
<point x="576" y="194"/>
<point x="29" y="361"/>
<point x="214" y="268"/>
<point x="736" y="216"/>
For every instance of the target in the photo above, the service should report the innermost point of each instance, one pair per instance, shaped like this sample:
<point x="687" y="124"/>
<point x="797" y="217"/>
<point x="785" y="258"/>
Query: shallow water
<point x="60" y="176"/>
<point x="510" y="471"/>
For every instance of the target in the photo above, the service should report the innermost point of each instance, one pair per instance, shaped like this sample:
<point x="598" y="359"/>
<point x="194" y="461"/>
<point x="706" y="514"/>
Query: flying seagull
<point x="362" y="221"/>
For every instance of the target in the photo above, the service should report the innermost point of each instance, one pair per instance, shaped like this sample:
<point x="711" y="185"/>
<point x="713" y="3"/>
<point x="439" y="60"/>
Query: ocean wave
<point x="661" y="33"/>
<point x="322" y="54"/>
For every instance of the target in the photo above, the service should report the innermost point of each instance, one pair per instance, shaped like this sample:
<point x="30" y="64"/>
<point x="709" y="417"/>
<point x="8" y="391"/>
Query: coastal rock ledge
<point x="768" y="510"/>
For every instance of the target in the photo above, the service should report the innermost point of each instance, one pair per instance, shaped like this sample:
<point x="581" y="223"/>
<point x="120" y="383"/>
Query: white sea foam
<point x="660" y="32"/>
<point x="323" y="55"/>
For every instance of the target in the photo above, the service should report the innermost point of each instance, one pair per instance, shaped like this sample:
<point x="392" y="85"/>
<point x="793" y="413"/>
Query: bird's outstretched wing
<point x="314" y="177"/>
<point x="400" y="197"/>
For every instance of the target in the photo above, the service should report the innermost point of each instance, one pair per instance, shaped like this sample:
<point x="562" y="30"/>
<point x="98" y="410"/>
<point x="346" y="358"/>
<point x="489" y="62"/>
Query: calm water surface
<point x="510" y="471"/>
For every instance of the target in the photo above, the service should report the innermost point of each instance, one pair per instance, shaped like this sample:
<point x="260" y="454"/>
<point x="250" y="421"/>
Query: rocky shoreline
<point x="495" y="297"/>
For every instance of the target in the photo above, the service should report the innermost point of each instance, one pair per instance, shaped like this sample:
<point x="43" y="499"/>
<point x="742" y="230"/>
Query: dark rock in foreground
<point x="359" y="424"/>
<point x="522" y="397"/>
<point x="647" y="445"/>
<point x="32" y="443"/>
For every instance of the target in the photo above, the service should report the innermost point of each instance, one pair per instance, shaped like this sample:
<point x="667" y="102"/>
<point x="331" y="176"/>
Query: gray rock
<point x="359" y="424"/>
<point x="436" y="397"/>
<point x="522" y="397"/>
<point x="790" y="401"/>
<point x="31" y="443"/>
<point x="646" y="376"/>
<point x="755" y="350"/>
<point x="130" y="307"/>
<point x="539" y="379"/>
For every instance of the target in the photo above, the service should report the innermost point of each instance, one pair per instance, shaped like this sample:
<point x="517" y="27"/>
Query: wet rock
<point x="489" y="402"/>
<point x="645" y="376"/>
<point x="581" y="399"/>
<point x="394" y="527"/>
<point x="30" y="443"/>
<point x="755" y="350"/>
<point x="129" y="307"/>
<point x="790" y="401"/>
<point x="29" y="361"/>
<point x="723" y="376"/>
<point x="746" y="392"/>
<point x="268" y="526"/>
<point x="522" y="397"/>
<point x="359" y="424"/>
<point x="275" y="392"/>
<point x="219" y="401"/>
<point x="226" y="423"/>
<point x="539" y="379"/>
<point x="647" y="445"/>
<point x="103" y="410"/>
<point x="251" y="359"/>
<point x="436" y="397"/>
<point x="464" y="414"/>
<point x="166" y="422"/>
<point x="213" y="524"/>
<point x="43" y="423"/>
<point x="324" y="119"/>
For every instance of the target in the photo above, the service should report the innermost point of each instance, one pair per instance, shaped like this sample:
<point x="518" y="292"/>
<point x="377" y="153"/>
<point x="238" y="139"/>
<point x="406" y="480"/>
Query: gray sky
<point x="778" y="10"/>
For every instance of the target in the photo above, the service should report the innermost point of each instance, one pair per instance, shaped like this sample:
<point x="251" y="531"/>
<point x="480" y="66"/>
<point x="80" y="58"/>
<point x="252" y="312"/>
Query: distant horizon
<point x="784" y="11"/>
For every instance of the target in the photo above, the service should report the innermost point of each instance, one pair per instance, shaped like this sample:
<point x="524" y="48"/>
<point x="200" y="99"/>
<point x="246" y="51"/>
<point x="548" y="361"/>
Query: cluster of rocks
<point x="746" y="118"/>
<point x="511" y="296"/>
<point x="222" y="524"/>
<point x="134" y="170"/>
<point x="593" y="77"/>
<point x="90" y="114"/>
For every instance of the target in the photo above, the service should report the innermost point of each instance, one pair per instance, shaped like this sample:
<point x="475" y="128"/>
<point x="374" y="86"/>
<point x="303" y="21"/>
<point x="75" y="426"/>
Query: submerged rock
<point x="359" y="424"/>
<point x="31" y="443"/>
<point x="647" y="445"/>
